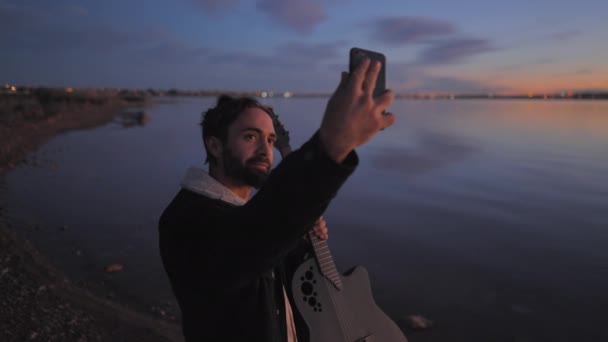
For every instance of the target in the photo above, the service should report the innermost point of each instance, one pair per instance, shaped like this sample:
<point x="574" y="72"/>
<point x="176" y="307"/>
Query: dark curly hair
<point x="215" y="121"/>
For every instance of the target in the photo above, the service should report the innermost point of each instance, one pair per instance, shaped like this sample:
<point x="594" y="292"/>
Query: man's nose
<point x="265" y="147"/>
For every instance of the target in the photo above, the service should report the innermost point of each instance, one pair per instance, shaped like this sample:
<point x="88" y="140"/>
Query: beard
<point x="246" y="173"/>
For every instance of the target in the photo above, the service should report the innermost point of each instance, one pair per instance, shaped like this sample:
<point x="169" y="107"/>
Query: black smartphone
<point x="358" y="54"/>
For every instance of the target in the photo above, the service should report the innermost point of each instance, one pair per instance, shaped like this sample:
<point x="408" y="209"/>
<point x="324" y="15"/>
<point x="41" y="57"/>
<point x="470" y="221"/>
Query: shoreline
<point x="28" y="121"/>
<point x="38" y="301"/>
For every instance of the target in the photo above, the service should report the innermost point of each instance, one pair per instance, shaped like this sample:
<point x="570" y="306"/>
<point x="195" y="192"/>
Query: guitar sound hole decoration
<point x="308" y="290"/>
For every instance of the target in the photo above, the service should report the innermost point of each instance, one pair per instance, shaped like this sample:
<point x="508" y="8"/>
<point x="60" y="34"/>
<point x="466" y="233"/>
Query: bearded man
<point x="229" y="254"/>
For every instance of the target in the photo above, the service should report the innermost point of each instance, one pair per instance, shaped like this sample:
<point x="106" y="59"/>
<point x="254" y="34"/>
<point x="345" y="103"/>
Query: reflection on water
<point x="433" y="150"/>
<point x="489" y="217"/>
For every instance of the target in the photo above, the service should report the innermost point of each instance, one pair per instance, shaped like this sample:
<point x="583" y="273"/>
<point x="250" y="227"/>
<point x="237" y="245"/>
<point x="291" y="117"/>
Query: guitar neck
<point x="325" y="260"/>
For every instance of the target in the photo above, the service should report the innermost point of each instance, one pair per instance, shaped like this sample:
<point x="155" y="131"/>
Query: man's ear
<point x="215" y="147"/>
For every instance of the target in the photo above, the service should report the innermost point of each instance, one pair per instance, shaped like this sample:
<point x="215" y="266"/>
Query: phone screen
<point x="358" y="54"/>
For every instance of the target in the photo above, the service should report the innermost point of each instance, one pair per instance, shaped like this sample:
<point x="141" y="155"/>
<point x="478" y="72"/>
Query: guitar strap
<point x="291" y="326"/>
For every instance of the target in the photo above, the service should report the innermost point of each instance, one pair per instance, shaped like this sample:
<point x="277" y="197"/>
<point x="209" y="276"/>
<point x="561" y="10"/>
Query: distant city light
<point x="13" y="89"/>
<point x="287" y="94"/>
<point x="69" y="90"/>
<point x="264" y="94"/>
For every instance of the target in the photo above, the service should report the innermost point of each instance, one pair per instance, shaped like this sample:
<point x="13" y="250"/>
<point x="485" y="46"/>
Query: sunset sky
<point x="296" y="45"/>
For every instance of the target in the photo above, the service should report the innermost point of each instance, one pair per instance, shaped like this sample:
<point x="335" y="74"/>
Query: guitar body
<point x="349" y="314"/>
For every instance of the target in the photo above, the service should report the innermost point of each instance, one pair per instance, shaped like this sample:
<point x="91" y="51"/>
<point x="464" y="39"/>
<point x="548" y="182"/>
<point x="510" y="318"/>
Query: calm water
<point x="488" y="217"/>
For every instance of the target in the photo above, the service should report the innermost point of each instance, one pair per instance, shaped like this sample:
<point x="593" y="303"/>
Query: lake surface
<point x="489" y="217"/>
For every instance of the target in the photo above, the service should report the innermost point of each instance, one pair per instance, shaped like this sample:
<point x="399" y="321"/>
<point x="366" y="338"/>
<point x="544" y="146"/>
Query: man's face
<point x="247" y="155"/>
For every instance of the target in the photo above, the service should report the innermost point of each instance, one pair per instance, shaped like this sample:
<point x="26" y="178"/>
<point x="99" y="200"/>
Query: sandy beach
<point x="38" y="301"/>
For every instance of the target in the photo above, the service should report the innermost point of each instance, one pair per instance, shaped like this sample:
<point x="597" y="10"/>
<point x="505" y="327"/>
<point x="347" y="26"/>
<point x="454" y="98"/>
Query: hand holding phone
<point x="353" y="114"/>
<point x="357" y="55"/>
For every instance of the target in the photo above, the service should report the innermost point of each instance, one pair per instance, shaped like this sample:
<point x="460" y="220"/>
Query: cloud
<point x="519" y="66"/>
<point x="30" y="28"/>
<point x="584" y="72"/>
<point x="311" y="52"/>
<point x="456" y="85"/>
<point x="36" y="32"/>
<point x="286" y="55"/>
<point x="216" y="6"/>
<point x="297" y="15"/>
<point x="237" y="58"/>
<point x="563" y="36"/>
<point x="400" y="30"/>
<point x="76" y="11"/>
<point x="13" y="17"/>
<point x="454" y="51"/>
<point x="87" y="53"/>
<point x="300" y="66"/>
<point x="18" y="16"/>
<point x="411" y="78"/>
<point x="60" y="40"/>
<point x="443" y="46"/>
<point x="578" y="72"/>
<point x="171" y="51"/>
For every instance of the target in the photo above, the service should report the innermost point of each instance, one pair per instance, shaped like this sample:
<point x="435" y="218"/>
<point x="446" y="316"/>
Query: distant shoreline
<point x="153" y="92"/>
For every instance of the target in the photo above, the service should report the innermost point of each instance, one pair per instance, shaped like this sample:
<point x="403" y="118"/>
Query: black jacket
<point x="226" y="263"/>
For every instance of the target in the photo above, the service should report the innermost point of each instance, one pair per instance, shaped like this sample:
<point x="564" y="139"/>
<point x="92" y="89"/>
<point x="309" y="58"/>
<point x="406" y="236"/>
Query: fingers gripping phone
<point x="358" y="54"/>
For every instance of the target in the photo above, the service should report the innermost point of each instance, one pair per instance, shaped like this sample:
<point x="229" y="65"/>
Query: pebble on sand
<point x="114" y="268"/>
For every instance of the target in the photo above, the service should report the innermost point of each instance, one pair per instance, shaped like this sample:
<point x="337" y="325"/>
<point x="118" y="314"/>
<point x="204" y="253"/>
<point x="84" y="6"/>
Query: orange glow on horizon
<point x="516" y="83"/>
<point x="551" y="84"/>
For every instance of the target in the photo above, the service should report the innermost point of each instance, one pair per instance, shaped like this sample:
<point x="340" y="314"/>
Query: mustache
<point x="260" y="159"/>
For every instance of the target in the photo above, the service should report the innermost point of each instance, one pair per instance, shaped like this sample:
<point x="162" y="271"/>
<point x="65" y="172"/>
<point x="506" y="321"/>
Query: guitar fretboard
<point x="325" y="260"/>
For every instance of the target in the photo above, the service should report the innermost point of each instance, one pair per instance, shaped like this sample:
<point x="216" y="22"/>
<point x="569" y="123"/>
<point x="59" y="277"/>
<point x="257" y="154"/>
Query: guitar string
<point x="344" y="312"/>
<point x="350" y="334"/>
<point x="337" y="302"/>
<point x="339" y="299"/>
<point x="349" y="330"/>
<point x="340" y="312"/>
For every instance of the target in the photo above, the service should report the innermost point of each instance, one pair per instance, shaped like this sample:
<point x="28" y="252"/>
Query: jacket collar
<point x="200" y="182"/>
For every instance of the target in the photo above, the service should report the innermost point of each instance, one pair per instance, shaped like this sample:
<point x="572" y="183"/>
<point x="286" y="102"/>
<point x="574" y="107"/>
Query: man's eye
<point x="271" y="141"/>
<point x="249" y="137"/>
